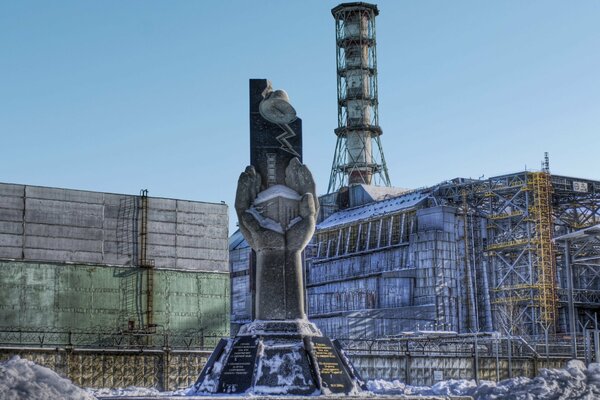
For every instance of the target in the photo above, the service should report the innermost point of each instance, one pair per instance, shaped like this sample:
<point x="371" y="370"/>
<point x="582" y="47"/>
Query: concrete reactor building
<point x="463" y="256"/>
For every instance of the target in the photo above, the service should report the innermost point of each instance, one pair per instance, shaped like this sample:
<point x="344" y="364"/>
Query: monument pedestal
<point x="278" y="358"/>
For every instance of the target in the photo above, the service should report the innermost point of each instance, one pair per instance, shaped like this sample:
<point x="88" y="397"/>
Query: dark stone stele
<point x="208" y="372"/>
<point x="294" y="367"/>
<point x="238" y="372"/>
<point x="333" y="372"/>
<point x="263" y="134"/>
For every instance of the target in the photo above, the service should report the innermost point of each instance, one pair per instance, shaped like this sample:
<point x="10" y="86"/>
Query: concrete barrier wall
<point x="170" y="370"/>
<point x="427" y="370"/>
<point x="163" y="370"/>
<point x="62" y="225"/>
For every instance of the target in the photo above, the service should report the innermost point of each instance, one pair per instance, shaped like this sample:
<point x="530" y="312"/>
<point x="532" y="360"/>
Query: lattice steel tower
<point x="358" y="156"/>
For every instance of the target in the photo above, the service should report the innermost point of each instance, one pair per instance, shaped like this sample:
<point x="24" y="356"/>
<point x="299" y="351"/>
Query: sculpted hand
<point x="298" y="178"/>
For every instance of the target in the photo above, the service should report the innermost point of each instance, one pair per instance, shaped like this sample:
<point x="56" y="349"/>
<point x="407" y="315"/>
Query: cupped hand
<point x="298" y="178"/>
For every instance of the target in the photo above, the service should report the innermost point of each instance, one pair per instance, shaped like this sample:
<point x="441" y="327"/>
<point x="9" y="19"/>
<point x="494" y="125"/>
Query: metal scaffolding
<point x="541" y="213"/>
<point x="512" y="254"/>
<point x="581" y="292"/>
<point x="358" y="156"/>
<point x="522" y="214"/>
<point x="145" y="262"/>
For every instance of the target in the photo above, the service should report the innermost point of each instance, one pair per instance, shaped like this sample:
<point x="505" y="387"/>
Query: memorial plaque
<point x="349" y="367"/>
<point x="331" y="369"/>
<point x="238" y="373"/>
<point x="210" y="363"/>
<point x="288" y="365"/>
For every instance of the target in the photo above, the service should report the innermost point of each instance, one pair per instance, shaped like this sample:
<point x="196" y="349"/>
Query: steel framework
<point x="546" y="261"/>
<point x="581" y="253"/>
<point x="513" y="254"/>
<point x="358" y="156"/>
<point x="576" y="203"/>
<point x="518" y="252"/>
<point x="522" y="214"/>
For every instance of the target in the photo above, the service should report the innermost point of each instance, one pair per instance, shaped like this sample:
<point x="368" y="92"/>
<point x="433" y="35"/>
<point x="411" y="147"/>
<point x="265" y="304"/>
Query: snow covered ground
<point x="137" y="392"/>
<point x="22" y="379"/>
<point x="574" y="382"/>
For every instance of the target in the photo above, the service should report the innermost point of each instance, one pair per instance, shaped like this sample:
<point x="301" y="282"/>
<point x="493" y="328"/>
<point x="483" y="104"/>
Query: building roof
<point x="372" y="210"/>
<point x="354" y="5"/>
<point x="237" y="241"/>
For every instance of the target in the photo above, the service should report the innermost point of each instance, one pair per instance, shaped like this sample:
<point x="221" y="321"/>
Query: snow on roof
<point x="383" y="192"/>
<point x="373" y="209"/>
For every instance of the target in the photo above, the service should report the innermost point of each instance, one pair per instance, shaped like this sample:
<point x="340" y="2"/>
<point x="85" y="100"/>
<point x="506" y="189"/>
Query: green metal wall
<point x="88" y="298"/>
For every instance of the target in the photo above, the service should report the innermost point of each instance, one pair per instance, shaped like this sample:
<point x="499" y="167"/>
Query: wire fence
<point x="48" y="338"/>
<point x="485" y="344"/>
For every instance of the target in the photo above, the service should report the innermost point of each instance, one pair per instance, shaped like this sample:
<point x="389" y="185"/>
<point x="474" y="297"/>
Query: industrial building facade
<point x="465" y="256"/>
<point x="77" y="265"/>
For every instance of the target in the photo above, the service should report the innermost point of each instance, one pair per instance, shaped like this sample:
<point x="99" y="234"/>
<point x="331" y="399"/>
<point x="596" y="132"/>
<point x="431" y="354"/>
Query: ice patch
<point x="22" y="379"/>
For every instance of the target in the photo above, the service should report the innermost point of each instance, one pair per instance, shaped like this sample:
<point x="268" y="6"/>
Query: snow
<point x="284" y="366"/>
<point x="265" y="222"/>
<point x="134" y="391"/>
<point x="383" y="192"/>
<point x="210" y="382"/>
<point x="22" y="379"/>
<point x="373" y="209"/>
<point x="289" y="327"/>
<point x="574" y="382"/>
<point x="429" y="333"/>
<point x="277" y="191"/>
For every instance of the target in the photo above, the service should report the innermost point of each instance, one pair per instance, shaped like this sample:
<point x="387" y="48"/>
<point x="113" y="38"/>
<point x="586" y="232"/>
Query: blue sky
<point x="122" y="95"/>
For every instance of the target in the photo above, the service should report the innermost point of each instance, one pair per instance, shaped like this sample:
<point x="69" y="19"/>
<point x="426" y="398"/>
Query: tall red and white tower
<point x="358" y="154"/>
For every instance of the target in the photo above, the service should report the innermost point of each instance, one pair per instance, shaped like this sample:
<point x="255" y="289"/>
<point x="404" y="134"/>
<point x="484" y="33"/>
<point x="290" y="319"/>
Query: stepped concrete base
<point x="273" y="358"/>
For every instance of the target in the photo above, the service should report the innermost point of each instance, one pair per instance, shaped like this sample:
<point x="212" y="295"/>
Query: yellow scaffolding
<point x="541" y="213"/>
<point x="508" y="244"/>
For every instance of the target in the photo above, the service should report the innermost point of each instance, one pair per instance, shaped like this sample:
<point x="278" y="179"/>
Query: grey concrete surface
<point x="64" y="225"/>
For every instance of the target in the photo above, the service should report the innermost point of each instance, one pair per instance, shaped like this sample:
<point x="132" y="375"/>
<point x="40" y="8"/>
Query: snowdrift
<point x="574" y="382"/>
<point x="22" y="379"/>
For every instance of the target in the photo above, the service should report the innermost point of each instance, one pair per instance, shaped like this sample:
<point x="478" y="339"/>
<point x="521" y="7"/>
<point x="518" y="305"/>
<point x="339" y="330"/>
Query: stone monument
<point x="281" y="351"/>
